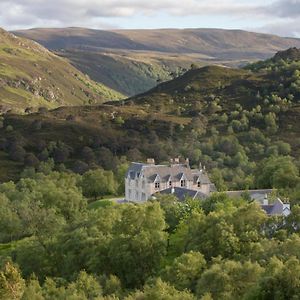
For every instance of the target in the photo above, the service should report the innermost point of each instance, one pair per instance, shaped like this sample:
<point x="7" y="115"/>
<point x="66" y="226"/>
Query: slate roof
<point x="257" y="195"/>
<point x="134" y="169"/>
<point x="183" y="193"/>
<point x="166" y="173"/>
<point x="275" y="208"/>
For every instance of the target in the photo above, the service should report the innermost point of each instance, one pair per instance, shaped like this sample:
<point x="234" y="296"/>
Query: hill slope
<point x="228" y="119"/>
<point x="132" y="61"/>
<point x="31" y="76"/>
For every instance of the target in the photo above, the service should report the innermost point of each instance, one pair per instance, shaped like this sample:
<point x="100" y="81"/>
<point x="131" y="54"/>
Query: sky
<point x="281" y="17"/>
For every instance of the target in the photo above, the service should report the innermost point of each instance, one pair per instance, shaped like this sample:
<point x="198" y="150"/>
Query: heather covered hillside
<point x="31" y="77"/>
<point x="235" y="121"/>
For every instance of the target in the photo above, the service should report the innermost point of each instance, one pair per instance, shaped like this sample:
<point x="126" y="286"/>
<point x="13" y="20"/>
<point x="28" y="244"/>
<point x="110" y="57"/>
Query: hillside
<point x="31" y="76"/>
<point x="229" y="119"/>
<point x="131" y="61"/>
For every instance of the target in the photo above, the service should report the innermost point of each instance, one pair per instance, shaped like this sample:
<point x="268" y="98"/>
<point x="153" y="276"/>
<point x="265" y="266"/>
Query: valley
<point x="133" y="61"/>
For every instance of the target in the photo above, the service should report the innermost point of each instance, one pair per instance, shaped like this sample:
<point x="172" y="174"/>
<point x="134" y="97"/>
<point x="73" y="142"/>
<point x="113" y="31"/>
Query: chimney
<point x="176" y="160"/>
<point x="150" y="161"/>
<point x="187" y="161"/>
<point x="171" y="161"/>
<point x="266" y="201"/>
<point x="172" y="190"/>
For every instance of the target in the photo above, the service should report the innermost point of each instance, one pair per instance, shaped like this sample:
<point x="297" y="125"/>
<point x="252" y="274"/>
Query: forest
<point x="56" y="245"/>
<point x="61" y="239"/>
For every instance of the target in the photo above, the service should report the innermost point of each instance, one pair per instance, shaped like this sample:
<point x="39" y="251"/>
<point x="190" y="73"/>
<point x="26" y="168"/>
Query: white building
<point x="143" y="180"/>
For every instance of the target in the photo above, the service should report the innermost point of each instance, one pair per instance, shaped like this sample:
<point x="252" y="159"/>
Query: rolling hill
<point x="31" y="76"/>
<point x="132" y="61"/>
<point x="229" y="119"/>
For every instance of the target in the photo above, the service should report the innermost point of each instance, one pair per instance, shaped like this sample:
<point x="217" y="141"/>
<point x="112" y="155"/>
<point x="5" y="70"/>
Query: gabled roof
<point x="174" y="172"/>
<point x="201" y="176"/>
<point x="276" y="208"/>
<point x="134" y="169"/>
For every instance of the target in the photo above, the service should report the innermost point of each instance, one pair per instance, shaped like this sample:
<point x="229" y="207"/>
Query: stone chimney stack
<point x="266" y="201"/>
<point x="172" y="190"/>
<point x="150" y="161"/>
<point x="176" y="160"/>
<point x="187" y="161"/>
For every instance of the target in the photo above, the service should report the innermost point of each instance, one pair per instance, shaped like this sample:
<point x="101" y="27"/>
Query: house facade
<point x="143" y="180"/>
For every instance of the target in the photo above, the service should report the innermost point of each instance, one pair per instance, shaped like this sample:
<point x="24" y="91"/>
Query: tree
<point x="31" y="160"/>
<point x="228" y="279"/>
<point x="277" y="172"/>
<point x="33" y="290"/>
<point x="97" y="183"/>
<point x="88" y="155"/>
<point x="185" y="271"/>
<point x="12" y="284"/>
<point x="160" y="290"/>
<point x="139" y="243"/>
<point x="17" y="153"/>
<point x="86" y="286"/>
<point x="281" y="281"/>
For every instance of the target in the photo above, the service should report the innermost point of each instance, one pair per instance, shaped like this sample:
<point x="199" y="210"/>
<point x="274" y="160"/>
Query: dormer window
<point x="182" y="183"/>
<point x="170" y="183"/>
<point x="199" y="184"/>
<point x="157" y="185"/>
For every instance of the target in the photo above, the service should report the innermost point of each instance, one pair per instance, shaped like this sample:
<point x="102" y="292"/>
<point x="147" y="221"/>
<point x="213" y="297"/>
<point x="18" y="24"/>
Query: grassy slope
<point x="31" y="76"/>
<point x="132" y="60"/>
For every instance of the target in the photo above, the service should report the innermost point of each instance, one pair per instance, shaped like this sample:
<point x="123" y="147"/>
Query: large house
<point x="143" y="180"/>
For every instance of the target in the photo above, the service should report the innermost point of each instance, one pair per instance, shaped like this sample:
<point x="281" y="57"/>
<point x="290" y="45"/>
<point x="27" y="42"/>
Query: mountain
<point x="32" y="76"/>
<point x="132" y="61"/>
<point x="229" y="119"/>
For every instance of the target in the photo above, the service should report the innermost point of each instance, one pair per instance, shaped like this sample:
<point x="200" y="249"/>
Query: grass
<point x="105" y="202"/>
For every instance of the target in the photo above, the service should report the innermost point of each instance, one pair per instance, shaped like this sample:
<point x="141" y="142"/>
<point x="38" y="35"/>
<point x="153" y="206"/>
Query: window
<point x="157" y="185"/>
<point x="143" y="184"/>
<point x="143" y="196"/>
<point x="199" y="184"/>
<point x="137" y="195"/>
<point x="170" y="183"/>
<point x="136" y="182"/>
<point x="182" y="183"/>
<point x="129" y="193"/>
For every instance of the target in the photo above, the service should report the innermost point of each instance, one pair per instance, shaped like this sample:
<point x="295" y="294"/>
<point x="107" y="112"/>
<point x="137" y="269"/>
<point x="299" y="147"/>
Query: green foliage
<point x="97" y="183"/>
<point x="277" y="172"/>
<point x="185" y="271"/>
<point x="11" y="283"/>
<point x="160" y="290"/>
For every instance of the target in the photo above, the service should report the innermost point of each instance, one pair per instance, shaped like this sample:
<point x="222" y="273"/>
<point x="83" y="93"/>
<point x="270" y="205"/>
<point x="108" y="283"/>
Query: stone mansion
<point x="143" y="180"/>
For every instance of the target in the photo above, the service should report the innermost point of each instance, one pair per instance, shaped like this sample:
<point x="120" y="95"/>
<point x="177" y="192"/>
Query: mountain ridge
<point x="133" y="61"/>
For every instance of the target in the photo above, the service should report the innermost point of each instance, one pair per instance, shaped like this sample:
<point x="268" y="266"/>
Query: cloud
<point x="287" y="28"/>
<point x="107" y="13"/>
<point x="284" y="9"/>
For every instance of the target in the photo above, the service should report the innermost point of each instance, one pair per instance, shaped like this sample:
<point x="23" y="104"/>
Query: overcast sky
<point x="279" y="17"/>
